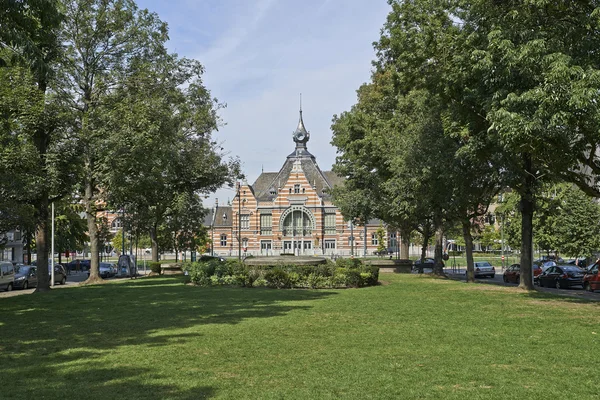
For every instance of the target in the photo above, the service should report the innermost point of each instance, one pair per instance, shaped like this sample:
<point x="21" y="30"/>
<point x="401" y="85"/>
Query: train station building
<point x="290" y="211"/>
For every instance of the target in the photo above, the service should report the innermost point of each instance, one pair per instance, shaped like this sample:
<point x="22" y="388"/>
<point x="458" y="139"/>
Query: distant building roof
<point x="223" y="216"/>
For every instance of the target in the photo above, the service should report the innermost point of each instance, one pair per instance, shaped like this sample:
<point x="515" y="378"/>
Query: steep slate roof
<point x="275" y="180"/>
<point x="221" y="212"/>
<point x="317" y="178"/>
<point x="208" y="218"/>
<point x="333" y="178"/>
<point x="264" y="183"/>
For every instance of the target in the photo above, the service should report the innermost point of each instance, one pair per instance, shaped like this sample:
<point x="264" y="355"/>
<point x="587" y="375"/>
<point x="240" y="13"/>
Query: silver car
<point x="7" y="275"/>
<point x="484" y="269"/>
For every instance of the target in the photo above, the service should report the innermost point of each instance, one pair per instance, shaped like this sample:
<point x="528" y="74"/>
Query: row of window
<point x="329" y="244"/>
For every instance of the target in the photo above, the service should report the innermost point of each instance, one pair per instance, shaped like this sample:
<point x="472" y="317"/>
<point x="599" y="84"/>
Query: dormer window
<point x="224" y="217"/>
<point x="272" y="192"/>
<point x="296" y="188"/>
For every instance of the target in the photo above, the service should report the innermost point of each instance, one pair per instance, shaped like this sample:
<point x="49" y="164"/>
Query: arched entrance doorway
<point x="297" y="225"/>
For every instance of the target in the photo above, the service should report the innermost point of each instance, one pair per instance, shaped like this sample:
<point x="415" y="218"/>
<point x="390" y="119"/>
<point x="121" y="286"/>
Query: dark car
<point x="419" y="266"/>
<point x="591" y="280"/>
<point x="205" y="258"/>
<point x="83" y="265"/>
<point x="513" y="273"/>
<point x="60" y="274"/>
<point x="25" y="276"/>
<point x="561" y="277"/>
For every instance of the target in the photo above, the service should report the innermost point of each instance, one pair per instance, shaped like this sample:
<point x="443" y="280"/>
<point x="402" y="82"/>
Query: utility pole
<point x="365" y="241"/>
<point x="352" y="238"/>
<point x="51" y="252"/>
<point x="502" y="238"/>
<point x="212" y="226"/>
<point x="123" y="231"/>
<point x="239" y="221"/>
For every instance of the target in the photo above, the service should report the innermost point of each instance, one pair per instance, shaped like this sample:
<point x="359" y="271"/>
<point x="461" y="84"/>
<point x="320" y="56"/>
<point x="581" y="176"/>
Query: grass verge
<point x="412" y="338"/>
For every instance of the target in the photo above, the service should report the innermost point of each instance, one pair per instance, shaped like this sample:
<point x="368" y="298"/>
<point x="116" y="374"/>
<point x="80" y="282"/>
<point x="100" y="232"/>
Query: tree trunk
<point x="42" y="142"/>
<point x="59" y="257"/>
<point x="466" y="227"/>
<point x="438" y="268"/>
<point x="41" y="244"/>
<point x="154" y="240"/>
<point x="426" y="237"/>
<point x="526" y="241"/>
<point x="90" y="213"/>
<point x="404" y="243"/>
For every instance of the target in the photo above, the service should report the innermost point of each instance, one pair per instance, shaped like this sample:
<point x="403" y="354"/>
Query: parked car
<point x="419" y="266"/>
<point x="7" y="275"/>
<point x="25" y="276"/>
<point x="483" y="269"/>
<point x="561" y="277"/>
<point x="204" y="258"/>
<point x="105" y="270"/>
<point x="513" y="273"/>
<point x="60" y="274"/>
<point x="551" y="258"/>
<point x="591" y="280"/>
<point x="579" y="262"/>
<point x="83" y="265"/>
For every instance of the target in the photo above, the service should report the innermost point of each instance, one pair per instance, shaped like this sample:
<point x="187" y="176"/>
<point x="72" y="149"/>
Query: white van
<point x="7" y="275"/>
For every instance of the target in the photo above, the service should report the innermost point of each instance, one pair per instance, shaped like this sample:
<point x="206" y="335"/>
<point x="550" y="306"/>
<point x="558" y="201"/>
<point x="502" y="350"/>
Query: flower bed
<point x="343" y="273"/>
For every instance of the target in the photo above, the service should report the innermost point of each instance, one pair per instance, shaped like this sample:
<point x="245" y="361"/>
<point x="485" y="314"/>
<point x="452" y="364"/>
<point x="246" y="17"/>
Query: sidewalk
<point x="74" y="279"/>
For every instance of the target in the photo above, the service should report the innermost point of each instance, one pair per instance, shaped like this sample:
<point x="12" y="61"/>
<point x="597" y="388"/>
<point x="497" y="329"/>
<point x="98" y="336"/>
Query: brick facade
<point x="290" y="211"/>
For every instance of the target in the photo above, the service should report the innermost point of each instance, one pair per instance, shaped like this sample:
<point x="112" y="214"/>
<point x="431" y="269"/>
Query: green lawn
<point x="413" y="337"/>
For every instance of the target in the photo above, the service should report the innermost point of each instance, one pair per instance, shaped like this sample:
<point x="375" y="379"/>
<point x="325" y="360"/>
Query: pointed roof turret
<point x="301" y="136"/>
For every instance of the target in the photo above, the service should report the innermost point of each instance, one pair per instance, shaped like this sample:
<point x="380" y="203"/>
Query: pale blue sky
<point x="259" y="55"/>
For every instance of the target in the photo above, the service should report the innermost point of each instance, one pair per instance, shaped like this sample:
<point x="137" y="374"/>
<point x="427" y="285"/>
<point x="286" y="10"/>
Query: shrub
<point x="314" y="281"/>
<point x="260" y="282"/>
<point x="294" y="278"/>
<point x="155" y="267"/>
<point x="348" y="262"/>
<point x="353" y="278"/>
<point x="277" y="278"/>
<point x="340" y="277"/>
<point x="346" y="273"/>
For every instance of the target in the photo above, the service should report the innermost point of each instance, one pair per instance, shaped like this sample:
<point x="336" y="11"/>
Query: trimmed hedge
<point x="342" y="274"/>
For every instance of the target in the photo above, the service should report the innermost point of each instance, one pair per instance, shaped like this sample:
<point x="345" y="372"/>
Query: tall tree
<point x="161" y="147"/>
<point x="518" y="76"/>
<point x="577" y="223"/>
<point x="102" y="39"/>
<point x="35" y="127"/>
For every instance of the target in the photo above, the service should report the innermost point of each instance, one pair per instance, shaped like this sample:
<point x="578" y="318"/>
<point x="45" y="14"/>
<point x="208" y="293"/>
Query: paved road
<point x="72" y="280"/>
<point x="497" y="280"/>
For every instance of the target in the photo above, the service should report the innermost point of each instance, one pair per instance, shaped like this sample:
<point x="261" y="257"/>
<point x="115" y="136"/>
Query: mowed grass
<point x="413" y="337"/>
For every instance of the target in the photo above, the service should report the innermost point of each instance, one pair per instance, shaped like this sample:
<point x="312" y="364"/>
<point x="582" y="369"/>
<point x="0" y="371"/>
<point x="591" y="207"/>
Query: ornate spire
<point x="301" y="135"/>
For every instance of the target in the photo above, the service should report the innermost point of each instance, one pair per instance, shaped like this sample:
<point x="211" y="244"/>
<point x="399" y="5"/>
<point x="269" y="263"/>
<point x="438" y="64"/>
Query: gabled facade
<point x="290" y="211"/>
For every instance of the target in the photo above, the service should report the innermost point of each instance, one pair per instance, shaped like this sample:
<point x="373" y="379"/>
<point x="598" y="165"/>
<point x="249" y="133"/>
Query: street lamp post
<point x="52" y="251"/>
<point x="212" y="236"/>
<point x="365" y="241"/>
<point x="351" y="238"/>
<point x="239" y="221"/>
<point x="502" y="238"/>
<point x="123" y="231"/>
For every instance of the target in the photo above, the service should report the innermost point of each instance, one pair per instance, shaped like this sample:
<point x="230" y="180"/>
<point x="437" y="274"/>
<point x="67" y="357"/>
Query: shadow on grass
<point x="53" y="344"/>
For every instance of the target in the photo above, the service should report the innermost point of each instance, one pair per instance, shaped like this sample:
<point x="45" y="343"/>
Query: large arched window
<point x="297" y="221"/>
